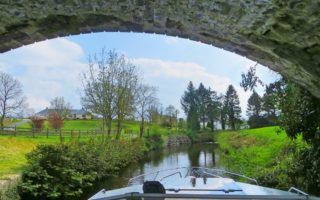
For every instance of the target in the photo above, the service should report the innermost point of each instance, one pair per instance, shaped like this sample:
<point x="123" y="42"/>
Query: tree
<point x="11" y="96"/>
<point x="55" y="121"/>
<point x="254" y="105"/>
<point x="145" y="99"/>
<point x="232" y="104"/>
<point x="60" y="106"/>
<point x="125" y="89"/>
<point x="154" y="112"/>
<point x="250" y="79"/>
<point x="37" y="123"/>
<point x="203" y="100"/>
<point x="189" y="105"/>
<point x="271" y="101"/>
<point x="222" y="111"/>
<point x="212" y="110"/>
<point x="300" y="112"/>
<point x="171" y="113"/>
<point x="99" y="86"/>
<point x="254" y="110"/>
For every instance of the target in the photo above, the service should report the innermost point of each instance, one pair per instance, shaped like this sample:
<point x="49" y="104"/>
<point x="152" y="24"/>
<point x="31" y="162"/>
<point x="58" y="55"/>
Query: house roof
<point x="46" y="111"/>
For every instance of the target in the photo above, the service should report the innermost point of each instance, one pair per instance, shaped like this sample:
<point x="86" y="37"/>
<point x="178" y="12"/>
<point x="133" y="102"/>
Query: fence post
<point x="47" y="133"/>
<point x="60" y="133"/>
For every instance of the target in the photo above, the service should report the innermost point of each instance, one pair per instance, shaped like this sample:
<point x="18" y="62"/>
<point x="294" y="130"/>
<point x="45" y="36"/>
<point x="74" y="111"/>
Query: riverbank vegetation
<point x="266" y="154"/>
<point x="64" y="171"/>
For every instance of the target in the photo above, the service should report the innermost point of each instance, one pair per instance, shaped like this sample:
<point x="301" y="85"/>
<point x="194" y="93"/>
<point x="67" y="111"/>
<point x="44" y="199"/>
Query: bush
<point x="55" y="121"/>
<point x="37" y="123"/>
<point x="305" y="171"/>
<point x="9" y="192"/>
<point x="154" y="141"/>
<point x="64" y="171"/>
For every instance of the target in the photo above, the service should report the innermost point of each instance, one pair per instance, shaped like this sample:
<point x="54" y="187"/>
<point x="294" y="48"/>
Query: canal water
<point x="204" y="155"/>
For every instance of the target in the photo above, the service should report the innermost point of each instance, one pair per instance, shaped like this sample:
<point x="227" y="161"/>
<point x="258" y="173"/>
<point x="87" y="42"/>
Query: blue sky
<point x="51" y="68"/>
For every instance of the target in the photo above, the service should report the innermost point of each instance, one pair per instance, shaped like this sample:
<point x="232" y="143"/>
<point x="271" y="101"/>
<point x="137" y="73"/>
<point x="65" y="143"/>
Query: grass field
<point x="72" y="125"/>
<point x="94" y="124"/>
<point x="13" y="149"/>
<point x="254" y="152"/>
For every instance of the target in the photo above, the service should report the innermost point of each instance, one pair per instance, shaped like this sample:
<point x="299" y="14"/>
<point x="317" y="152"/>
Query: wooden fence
<point x="64" y="133"/>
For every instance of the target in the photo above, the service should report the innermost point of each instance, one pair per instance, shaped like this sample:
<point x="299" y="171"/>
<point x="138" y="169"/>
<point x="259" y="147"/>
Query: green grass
<point x="72" y="125"/>
<point x="254" y="152"/>
<point x="13" y="149"/>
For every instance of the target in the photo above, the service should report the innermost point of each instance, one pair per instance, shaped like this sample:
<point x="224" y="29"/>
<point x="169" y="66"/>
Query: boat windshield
<point x="182" y="172"/>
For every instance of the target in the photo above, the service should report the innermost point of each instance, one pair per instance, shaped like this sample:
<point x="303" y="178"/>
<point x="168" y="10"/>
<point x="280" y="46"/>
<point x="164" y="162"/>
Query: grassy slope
<point x="13" y="150"/>
<point x="256" y="151"/>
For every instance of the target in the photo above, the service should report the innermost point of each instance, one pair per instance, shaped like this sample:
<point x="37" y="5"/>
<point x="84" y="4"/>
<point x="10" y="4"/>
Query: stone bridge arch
<point x="281" y="34"/>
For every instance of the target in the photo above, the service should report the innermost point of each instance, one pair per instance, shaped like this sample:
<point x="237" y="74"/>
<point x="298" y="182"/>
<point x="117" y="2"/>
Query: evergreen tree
<point x="254" y="105"/>
<point x="232" y="105"/>
<point x="203" y="100"/>
<point x="223" y="111"/>
<point x="212" y="109"/>
<point x="189" y="106"/>
<point x="254" y="110"/>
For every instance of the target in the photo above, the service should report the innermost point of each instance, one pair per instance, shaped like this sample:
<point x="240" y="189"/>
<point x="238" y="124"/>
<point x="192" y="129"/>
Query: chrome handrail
<point x="155" y="172"/>
<point x="227" y="172"/>
<point x="295" y="190"/>
<point x="171" y="175"/>
<point x="190" y="171"/>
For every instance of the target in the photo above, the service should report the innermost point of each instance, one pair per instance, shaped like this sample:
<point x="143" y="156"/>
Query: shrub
<point x="55" y="121"/>
<point x="305" y="171"/>
<point x="37" y="123"/>
<point x="154" y="141"/>
<point x="64" y="171"/>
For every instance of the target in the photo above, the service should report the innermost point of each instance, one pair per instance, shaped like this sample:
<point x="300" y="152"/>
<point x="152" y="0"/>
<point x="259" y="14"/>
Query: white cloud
<point x="47" y="69"/>
<point x="190" y="71"/>
<point x="183" y="71"/>
<point x="171" y="40"/>
<point x="38" y="103"/>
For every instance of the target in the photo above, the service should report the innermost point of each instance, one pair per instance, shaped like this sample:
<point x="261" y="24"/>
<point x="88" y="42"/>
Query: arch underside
<point x="282" y="35"/>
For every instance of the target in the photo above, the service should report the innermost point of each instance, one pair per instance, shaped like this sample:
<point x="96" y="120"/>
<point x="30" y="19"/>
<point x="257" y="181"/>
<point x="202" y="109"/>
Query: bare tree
<point x="109" y="88"/>
<point x="99" y="86"/>
<point x="11" y="96"/>
<point x="145" y="98"/>
<point x="60" y="106"/>
<point x="126" y="87"/>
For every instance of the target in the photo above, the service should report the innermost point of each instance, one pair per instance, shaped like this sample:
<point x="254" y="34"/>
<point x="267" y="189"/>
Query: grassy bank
<point x="263" y="153"/>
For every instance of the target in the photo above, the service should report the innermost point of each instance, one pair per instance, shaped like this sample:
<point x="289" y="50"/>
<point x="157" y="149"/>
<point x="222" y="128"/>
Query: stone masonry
<point x="281" y="34"/>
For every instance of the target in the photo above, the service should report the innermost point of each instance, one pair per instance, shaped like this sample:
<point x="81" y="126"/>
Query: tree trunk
<point x="223" y="125"/>
<point x="203" y="123"/>
<point x="212" y="125"/>
<point x="142" y="127"/>
<point x="1" y="123"/>
<point x="233" y="127"/>
<point x="118" y="129"/>
<point x="109" y="125"/>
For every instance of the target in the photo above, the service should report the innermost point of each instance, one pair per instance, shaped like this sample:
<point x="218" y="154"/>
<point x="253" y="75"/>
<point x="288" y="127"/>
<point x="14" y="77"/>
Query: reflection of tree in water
<point x="165" y="158"/>
<point x="194" y="154"/>
<point x="207" y="150"/>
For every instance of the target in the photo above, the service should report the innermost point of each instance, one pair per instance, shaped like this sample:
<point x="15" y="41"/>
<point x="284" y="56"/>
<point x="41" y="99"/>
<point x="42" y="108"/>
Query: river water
<point x="204" y="155"/>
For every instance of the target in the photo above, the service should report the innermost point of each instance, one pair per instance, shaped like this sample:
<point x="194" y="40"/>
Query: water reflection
<point x="203" y="155"/>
